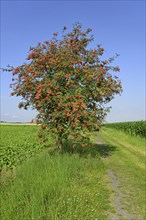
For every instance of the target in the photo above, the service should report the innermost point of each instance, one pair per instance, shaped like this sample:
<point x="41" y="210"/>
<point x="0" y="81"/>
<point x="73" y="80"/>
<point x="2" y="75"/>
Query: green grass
<point x="57" y="187"/>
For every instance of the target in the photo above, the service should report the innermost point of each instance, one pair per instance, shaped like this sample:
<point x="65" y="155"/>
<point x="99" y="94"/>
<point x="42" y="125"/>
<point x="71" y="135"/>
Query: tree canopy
<point x="68" y="84"/>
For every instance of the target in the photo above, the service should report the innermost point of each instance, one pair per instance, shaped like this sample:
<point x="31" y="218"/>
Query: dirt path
<point x="118" y="177"/>
<point x="120" y="211"/>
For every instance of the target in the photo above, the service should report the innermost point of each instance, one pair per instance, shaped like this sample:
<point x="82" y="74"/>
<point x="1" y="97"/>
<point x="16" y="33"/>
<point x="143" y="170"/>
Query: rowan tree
<point x="68" y="84"/>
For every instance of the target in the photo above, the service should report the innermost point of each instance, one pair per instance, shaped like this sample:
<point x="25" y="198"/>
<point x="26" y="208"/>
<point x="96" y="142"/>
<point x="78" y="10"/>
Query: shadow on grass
<point x="93" y="150"/>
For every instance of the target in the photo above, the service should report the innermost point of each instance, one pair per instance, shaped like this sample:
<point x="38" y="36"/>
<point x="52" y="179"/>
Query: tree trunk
<point x="59" y="142"/>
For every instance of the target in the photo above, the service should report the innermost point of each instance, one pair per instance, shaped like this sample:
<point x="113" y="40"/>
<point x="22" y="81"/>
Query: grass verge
<point x="56" y="187"/>
<point x="128" y="165"/>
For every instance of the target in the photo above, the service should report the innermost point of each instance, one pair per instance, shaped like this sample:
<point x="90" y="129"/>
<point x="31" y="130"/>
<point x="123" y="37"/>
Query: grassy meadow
<point x="102" y="182"/>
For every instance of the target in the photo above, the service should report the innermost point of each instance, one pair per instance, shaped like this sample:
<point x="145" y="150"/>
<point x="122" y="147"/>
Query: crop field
<point x="18" y="142"/>
<point x="135" y="128"/>
<point x="103" y="182"/>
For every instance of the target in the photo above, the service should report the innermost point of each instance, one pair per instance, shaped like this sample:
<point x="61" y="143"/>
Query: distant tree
<point x="68" y="84"/>
<point x="33" y="121"/>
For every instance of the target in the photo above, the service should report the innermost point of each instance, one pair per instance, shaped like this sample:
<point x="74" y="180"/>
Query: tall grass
<point x="56" y="187"/>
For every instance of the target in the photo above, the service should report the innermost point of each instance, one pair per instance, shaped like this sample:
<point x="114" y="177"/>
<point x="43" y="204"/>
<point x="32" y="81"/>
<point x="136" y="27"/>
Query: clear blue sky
<point x="118" y="25"/>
